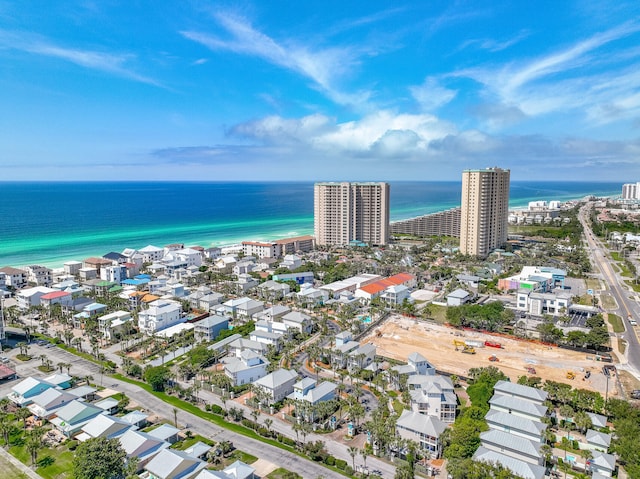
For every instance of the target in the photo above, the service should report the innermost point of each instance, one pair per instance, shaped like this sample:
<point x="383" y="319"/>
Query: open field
<point x="400" y="336"/>
<point x="9" y="471"/>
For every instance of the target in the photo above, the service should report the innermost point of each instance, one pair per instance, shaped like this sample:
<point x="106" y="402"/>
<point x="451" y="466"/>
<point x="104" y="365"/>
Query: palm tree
<point x="22" y="414"/>
<point x="175" y="417"/>
<point x="364" y="453"/>
<point x="267" y="423"/>
<point x="6" y="426"/>
<point x="353" y="452"/>
<point x="33" y="444"/>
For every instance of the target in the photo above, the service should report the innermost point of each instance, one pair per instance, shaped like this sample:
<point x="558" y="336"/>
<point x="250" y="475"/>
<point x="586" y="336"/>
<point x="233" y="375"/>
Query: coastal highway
<point x="626" y="306"/>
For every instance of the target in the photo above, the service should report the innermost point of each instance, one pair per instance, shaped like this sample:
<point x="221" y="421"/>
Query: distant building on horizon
<point x="631" y="191"/>
<point x="442" y="223"/>
<point x="346" y="212"/>
<point x="485" y="210"/>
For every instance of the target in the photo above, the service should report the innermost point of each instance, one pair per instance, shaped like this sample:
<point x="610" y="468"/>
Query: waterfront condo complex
<point x="485" y="210"/>
<point x="351" y="212"/>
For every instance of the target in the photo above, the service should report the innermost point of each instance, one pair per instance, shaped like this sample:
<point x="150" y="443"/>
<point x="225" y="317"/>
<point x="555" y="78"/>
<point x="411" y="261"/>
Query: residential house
<point x="23" y="393"/>
<point x="361" y="357"/>
<point x="39" y="275"/>
<point x="597" y="420"/>
<point x="300" y="321"/>
<point x="141" y="446"/>
<point x="72" y="267"/>
<point x="63" y="298"/>
<point x="13" y="277"/>
<point x="28" y="297"/>
<point x="507" y="388"/>
<point x="190" y="256"/>
<point x="424" y="430"/>
<point x="277" y="385"/>
<point x="113" y="323"/>
<point x="273" y="290"/>
<point x="116" y="258"/>
<point x="417" y="364"/>
<point x="237" y="470"/>
<point x="602" y="463"/>
<point x="270" y="339"/>
<point x="243" y="267"/>
<point x="239" y="345"/>
<point x="151" y="254"/>
<point x="45" y="404"/>
<point x="165" y="432"/>
<point x="522" y="469"/>
<point x="172" y="464"/>
<point x="210" y="327"/>
<point x="273" y="313"/>
<point x="114" y="274"/>
<point x="225" y="264"/>
<point x="436" y="398"/>
<point x="70" y="418"/>
<point x="246" y="368"/>
<point x="516" y="425"/>
<point x="308" y="296"/>
<point x="208" y="302"/>
<point x="108" y="405"/>
<point x="340" y="354"/>
<point x="597" y="441"/>
<point x="212" y="253"/>
<point x="397" y="294"/>
<point x="60" y="380"/>
<point x="308" y="390"/>
<point x="553" y="303"/>
<point x="517" y="407"/>
<point x="291" y="262"/>
<point x="160" y="315"/>
<point x="458" y="297"/>
<point x="518" y="447"/>
<point x="245" y="282"/>
<point x="136" y="418"/>
<point x="103" y="426"/>
<point x="247" y="309"/>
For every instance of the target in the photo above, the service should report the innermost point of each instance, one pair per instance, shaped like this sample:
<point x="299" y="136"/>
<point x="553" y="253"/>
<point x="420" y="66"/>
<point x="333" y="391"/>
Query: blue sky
<point x="301" y="90"/>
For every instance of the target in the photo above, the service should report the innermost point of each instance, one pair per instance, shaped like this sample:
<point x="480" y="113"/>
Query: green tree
<point x="100" y="458"/>
<point x="33" y="444"/>
<point x="157" y="377"/>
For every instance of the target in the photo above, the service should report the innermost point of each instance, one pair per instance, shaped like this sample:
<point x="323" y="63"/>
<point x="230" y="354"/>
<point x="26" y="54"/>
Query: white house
<point x="458" y="297"/>
<point x="247" y="368"/>
<point x="160" y="315"/>
<point x="29" y="297"/>
<point x="308" y="390"/>
<point x="424" y="430"/>
<point x="277" y="385"/>
<point x="39" y="275"/>
<point x="151" y="254"/>
<point x="436" y="398"/>
<point x="300" y="321"/>
<point x="111" y="323"/>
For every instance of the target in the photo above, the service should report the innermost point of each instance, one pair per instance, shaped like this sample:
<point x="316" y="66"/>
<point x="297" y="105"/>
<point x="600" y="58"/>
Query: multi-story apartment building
<point x="485" y="210"/>
<point x="347" y="212"/>
<point x="39" y="275"/>
<point x="631" y="191"/>
<point x="443" y="223"/>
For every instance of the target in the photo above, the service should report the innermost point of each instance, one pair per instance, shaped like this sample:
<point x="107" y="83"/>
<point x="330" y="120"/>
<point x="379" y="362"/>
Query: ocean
<point x="50" y="223"/>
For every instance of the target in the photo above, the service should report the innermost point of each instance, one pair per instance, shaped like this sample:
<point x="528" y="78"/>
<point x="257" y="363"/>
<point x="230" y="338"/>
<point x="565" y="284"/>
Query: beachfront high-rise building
<point x="485" y="210"/>
<point x="346" y="212"/>
<point x="631" y="191"/>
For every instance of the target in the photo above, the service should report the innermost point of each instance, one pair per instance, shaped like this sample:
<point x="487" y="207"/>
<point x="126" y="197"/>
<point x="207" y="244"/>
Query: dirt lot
<point x="401" y="336"/>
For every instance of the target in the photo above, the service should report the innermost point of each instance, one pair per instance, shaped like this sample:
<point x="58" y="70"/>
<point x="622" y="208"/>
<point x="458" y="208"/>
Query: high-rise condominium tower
<point x="485" y="210"/>
<point x="345" y="212"/>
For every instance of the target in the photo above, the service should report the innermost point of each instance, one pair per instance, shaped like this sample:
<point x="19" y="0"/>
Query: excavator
<point x="493" y="358"/>
<point x="571" y="375"/>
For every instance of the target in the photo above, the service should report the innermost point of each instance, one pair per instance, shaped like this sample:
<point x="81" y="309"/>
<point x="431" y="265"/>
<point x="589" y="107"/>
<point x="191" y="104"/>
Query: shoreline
<point x="58" y="263"/>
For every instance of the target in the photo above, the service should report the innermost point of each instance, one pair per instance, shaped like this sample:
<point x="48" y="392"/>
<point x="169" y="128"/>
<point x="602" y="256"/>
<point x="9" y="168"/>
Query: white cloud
<point x="322" y="66"/>
<point x="495" y="45"/>
<point x="565" y="80"/>
<point x="431" y="95"/>
<point x="115" y="64"/>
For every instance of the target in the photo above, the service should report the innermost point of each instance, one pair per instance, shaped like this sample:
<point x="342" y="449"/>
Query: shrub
<point x="348" y="471"/>
<point x="341" y="464"/>
<point x="72" y="445"/>
<point x="330" y="460"/>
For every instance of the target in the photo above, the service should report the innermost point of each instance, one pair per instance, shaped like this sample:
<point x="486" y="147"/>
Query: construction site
<point x="456" y="351"/>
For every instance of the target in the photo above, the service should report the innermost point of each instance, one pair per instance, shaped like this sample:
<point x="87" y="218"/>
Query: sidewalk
<point x="22" y="467"/>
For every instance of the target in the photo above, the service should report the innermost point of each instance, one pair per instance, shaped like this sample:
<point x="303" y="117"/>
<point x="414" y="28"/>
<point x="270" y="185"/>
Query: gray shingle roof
<point x="518" y="405"/>
<point x="520" y="468"/>
<point x="508" y="388"/>
<point x="417" y="422"/>
<point x="512" y="442"/>
<point x="503" y="419"/>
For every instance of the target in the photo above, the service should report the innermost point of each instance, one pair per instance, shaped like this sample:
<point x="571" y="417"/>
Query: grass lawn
<point x="9" y="471"/>
<point x="398" y="407"/>
<point x="616" y="256"/>
<point x="593" y="283"/>
<point x="633" y="285"/>
<point x="438" y="313"/>
<point x="622" y="345"/>
<point x="282" y="473"/>
<point x="607" y="301"/>
<point x="53" y="463"/>
<point x="616" y="323"/>
<point x="182" y="445"/>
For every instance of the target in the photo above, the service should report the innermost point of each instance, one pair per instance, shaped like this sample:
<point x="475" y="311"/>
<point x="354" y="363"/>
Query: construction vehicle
<point x="571" y="375"/>
<point x="493" y="358"/>
<point x="493" y="344"/>
<point x="469" y="350"/>
<point x="459" y="344"/>
<point x="531" y="369"/>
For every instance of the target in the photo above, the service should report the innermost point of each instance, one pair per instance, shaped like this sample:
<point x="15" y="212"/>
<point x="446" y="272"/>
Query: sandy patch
<point x="399" y="336"/>
<point x="263" y="467"/>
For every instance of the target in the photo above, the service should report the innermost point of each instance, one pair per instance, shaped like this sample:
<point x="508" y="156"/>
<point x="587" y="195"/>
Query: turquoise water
<point x="49" y="223"/>
<point x="365" y="319"/>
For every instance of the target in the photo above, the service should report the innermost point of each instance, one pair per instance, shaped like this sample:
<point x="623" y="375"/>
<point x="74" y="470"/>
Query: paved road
<point x="308" y="469"/>
<point x="152" y="404"/>
<point x="620" y="293"/>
